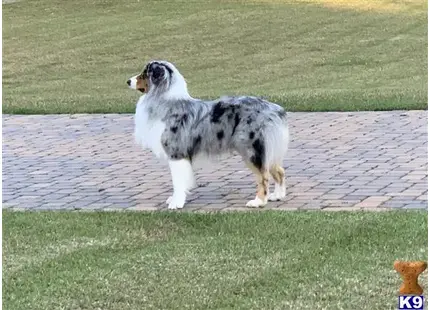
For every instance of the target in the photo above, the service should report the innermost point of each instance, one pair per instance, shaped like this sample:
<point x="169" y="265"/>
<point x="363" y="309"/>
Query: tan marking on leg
<point x="262" y="181"/>
<point x="278" y="174"/>
<point x="263" y="185"/>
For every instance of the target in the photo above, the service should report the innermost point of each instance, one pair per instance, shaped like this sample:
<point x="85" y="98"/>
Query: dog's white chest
<point x="147" y="132"/>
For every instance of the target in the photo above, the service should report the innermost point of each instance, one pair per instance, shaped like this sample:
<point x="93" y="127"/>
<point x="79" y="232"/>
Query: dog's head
<point x="159" y="77"/>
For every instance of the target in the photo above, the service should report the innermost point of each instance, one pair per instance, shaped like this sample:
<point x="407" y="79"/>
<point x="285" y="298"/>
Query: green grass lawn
<point x="317" y="55"/>
<point x="264" y="260"/>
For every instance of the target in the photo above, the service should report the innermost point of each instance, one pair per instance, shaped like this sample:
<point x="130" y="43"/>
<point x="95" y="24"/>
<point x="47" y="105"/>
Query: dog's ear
<point x="156" y="72"/>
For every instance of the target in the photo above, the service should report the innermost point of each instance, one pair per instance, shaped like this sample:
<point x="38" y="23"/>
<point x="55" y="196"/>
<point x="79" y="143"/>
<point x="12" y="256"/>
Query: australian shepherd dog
<point x="181" y="129"/>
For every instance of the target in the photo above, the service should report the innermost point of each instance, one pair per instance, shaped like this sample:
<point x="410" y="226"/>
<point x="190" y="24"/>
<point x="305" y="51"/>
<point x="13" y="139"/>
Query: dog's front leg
<point x="183" y="180"/>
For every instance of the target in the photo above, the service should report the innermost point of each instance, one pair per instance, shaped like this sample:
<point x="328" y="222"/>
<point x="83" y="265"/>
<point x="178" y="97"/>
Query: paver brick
<point x="97" y="206"/>
<point x="287" y="208"/>
<point x="372" y="202"/>
<point x="144" y="207"/>
<point x="415" y="205"/>
<point x="422" y="197"/>
<point x="339" y="161"/>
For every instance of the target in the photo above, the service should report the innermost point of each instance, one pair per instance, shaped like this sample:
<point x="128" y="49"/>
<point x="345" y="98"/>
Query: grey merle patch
<point x="195" y="127"/>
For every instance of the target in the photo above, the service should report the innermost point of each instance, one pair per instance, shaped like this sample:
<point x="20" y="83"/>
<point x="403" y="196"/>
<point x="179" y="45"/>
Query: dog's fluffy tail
<point x="276" y="141"/>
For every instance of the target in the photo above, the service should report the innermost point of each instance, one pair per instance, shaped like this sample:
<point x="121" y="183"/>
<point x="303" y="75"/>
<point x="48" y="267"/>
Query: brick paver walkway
<point x="336" y="161"/>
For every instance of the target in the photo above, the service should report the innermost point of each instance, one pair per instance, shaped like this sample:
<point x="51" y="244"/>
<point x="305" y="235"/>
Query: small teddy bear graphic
<point x="410" y="272"/>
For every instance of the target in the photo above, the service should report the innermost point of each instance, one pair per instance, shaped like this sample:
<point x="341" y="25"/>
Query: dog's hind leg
<point x="278" y="175"/>
<point x="183" y="180"/>
<point x="262" y="175"/>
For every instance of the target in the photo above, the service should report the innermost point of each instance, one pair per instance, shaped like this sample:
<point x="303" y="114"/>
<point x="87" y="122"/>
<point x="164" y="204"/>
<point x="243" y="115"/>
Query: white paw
<point x="278" y="194"/>
<point x="176" y="201"/>
<point x="257" y="202"/>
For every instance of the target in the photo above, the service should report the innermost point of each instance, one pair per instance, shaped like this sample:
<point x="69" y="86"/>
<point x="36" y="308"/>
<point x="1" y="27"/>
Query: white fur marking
<point x="177" y="201"/>
<point x="183" y="180"/>
<point x="279" y="193"/>
<point x="133" y="82"/>
<point x="147" y="133"/>
<point x="257" y="202"/>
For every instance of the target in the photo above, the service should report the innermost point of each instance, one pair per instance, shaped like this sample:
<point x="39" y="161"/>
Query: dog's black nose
<point x="128" y="82"/>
